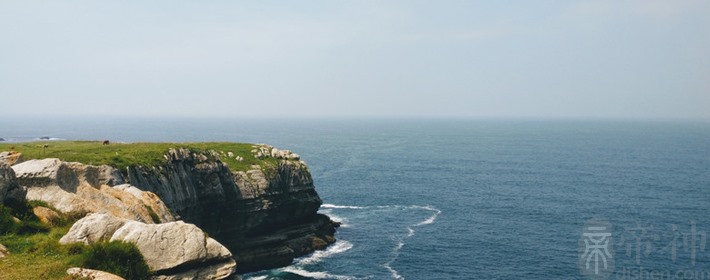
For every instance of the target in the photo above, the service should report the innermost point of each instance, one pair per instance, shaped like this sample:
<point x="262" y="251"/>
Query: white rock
<point x="169" y="245"/>
<point x="76" y="187"/>
<point x="149" y="199"/>
<point x="163" y="246"/>
<point x="93" y="274"/>
<point x="43" y="172"/>
<point x="93" y="228"/>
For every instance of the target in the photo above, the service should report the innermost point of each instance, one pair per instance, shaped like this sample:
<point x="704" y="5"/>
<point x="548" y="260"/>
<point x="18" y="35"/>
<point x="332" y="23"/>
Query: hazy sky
<point x="546" y="59"/>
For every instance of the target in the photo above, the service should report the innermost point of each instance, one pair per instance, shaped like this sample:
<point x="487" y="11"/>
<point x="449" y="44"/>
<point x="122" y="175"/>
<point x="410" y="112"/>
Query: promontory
<point x="193" y="210"/>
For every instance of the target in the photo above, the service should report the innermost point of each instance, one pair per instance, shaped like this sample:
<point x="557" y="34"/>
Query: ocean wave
<point x="314" y="274"/>
<point x="410" y="232"/>
<point x="401" y="241"/>
<point x="263" y="277"/>
<point x="333" y="206"/>
<point x="343" y="221"/>
<point x="393" y="272"/>
<point x="432" y="218"/>
<point x="337" y="248"/>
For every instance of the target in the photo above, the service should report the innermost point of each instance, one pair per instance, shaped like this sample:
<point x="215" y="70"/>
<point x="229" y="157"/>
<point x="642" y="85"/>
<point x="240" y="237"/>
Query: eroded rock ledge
<point x="76" y="187"/>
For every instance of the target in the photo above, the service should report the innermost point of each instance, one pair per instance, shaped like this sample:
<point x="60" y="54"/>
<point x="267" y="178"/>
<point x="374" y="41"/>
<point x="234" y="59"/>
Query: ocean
<point x="475" y="199"/>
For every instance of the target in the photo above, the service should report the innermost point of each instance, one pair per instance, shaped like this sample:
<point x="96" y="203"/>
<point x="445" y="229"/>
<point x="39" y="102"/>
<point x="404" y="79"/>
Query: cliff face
<point x="76" y="187"/>
<point x="265" y="216"/>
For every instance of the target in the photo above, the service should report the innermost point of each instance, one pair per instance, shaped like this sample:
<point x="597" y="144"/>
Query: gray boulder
<point x="93" y="228"/>
<point x="46" y="172"/>
<point x="109" y="175"/>
<point x="10" y="190"/>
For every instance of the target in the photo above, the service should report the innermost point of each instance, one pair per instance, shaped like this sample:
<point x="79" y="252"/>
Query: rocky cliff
<point x="264" y="210"/>
<point x="266" y="216"/>
<point x="76" y="187"/>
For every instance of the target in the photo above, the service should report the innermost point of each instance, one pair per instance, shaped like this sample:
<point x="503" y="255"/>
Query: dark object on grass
<point x="106" y="142"/>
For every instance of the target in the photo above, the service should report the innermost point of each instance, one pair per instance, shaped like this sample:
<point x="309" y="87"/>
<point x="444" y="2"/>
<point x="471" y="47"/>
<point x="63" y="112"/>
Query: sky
<point x="647" y="59"/>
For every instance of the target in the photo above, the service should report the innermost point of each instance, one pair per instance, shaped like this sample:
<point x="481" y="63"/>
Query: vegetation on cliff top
<point x="122" y="155"/>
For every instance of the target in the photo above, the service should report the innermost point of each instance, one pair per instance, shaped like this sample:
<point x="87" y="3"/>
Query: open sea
<point x="475" y="199"/>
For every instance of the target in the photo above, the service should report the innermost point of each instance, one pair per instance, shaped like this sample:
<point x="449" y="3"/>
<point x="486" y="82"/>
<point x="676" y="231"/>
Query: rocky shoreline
<point x="256" y="219"/>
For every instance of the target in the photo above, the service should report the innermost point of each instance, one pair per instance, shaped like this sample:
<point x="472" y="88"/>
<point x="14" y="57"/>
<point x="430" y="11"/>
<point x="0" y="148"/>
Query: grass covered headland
<point x="34" y="248"/>
<point x="122" y="155"/>
<point x="35" y="252"/>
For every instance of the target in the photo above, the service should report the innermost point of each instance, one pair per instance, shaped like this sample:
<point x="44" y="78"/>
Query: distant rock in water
<point x="2" y="139"/>
<point x="44" y="138"/>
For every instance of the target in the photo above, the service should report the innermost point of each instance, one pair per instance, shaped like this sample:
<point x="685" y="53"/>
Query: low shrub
<point x="27" y="224"/>
<point x="32" y="227"/>
<point x="22" y="210"/>
<point x="7" y="223"/>
<point x="116" y="257"/>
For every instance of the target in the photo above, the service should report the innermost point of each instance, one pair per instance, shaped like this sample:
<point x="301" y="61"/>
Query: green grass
<point x="116" y="257"/>
<point x="28" y="223"/>
<point x="38" y="254"/>
<point x="153" y="215"/>
<point x="122" y="155"/>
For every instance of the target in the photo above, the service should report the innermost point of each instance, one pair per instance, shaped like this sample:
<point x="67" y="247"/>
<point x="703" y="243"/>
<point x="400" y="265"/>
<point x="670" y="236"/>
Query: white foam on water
<point x="337" y="248"/>
<point x="343" y="221"/>
<point x="316" y="257"/>
<point x="263" y="277"/>
<point x="399" y="246"/>
<point x="314" y="274"/>
<point x="410" y="232"/>
<point x="432" y="218"/>
<point x="333" y="206"/>
<point x="393" y="272"/>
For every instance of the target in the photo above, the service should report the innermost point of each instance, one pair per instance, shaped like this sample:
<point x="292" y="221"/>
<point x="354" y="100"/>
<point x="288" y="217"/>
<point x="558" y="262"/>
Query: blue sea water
<point x="474" y="199"/>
